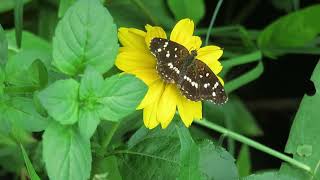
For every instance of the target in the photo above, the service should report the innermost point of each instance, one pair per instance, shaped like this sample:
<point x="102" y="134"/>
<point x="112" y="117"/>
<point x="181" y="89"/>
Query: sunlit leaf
<point x="303" y="143"/>
<point x="86" y="35"/>
<point x="60" y="99"/>
<point x="295" y="30"/>
<point x="193" y="9"/>
<point x="66" y="153"/>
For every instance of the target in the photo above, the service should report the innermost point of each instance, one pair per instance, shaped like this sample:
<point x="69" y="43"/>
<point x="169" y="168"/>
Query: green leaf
<point x="2" y="78"/>
<point x="18" y="21"/>
<point x="60" y="99"/>
<point x="88" y="122"/>
<point x="121" y="95"/>
<point x="10" y="152"/>
<point x="67" y="154"/>
<point x="286" y="5"/>
<point x="7" y="5"/>
<point x="302" y="25"/>
<point x="145" y="11"/>
<point x="122" y="10"/>
<point x="193" y="9"/>
<point x="3" y="47"/>
<point x="32" y="173"/>
<point x="303" y="143"/>
<point x="150" y="151"/>
<point x="106" y="168"/>
<point x="216" y="163"/>
<point x="91" y="85"/>
<point x="90" y="92"/>
<point x="244" y="161"/>
<point x="30" y="42"/>
<point x="241" y="120"/>
<point x="20" y="111"/>
<point x="64" y="6"/>
<point x="86" y="35"/>
<point x="268" y="176"/>
<point x="42" y="72"/>
<point x="28" y="68"/>
<point x="48" y="20"/>
<point x="189" y="156"/>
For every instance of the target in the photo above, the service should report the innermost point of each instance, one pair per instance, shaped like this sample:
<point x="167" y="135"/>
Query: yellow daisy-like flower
<point x="162" y="99"/>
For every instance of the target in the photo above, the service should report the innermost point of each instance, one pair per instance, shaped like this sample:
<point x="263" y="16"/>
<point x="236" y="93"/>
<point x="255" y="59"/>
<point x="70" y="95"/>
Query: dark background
<point x="274" y="97"/>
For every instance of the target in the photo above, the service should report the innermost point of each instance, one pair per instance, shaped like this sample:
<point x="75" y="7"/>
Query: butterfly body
<point x="194" y="78"/>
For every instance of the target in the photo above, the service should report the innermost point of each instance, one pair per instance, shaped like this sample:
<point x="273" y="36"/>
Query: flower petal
<point x="150" y="115"/>
<point x="189" y="110"/>
<point x="154" y="93"/>
<point x="131" y="60"/>
<point x="131" y="37"/>
<point x="148" y="76"/>
<point x="153" y="32"/>
<point x="210" y="56"/>
<point x="194" y="43"/>
<point x="167" y="105"/>
<point x="182" y="32"/>
<point x="221" y="80"/>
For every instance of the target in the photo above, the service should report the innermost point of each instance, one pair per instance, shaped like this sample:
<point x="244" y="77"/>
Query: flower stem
<point x="214" y="15"/>
<point x="254" y="144"/>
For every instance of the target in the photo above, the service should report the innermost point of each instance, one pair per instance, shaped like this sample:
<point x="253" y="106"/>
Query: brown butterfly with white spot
<point x="194" y="78"/>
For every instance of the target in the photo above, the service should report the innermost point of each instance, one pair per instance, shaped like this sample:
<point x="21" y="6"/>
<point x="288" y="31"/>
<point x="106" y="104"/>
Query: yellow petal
<point x="194" y="43"/>
<point x="150" y="115"/>
<point x="221" y="80"/>
<point x="131" y="60"/>
<point x="189" y="110"/>
<point x="167" y="105"/>
<point x="154" y="93"/>
<point x="148" y="76"/>
<point x="153" y="32"/>
<point x="210" y="56"/>
<point x="182" y="32"/>
<point x="131" y="37"/>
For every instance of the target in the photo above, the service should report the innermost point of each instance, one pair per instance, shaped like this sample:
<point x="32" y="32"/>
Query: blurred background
<point x="271" y="100"/>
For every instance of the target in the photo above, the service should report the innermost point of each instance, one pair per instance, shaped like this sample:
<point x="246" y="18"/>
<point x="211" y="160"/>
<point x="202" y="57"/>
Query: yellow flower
<point x="162" y="99"/>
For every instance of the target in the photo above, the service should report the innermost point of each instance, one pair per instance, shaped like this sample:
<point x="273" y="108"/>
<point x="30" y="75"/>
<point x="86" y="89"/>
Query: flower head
<point x="162" y="99"/>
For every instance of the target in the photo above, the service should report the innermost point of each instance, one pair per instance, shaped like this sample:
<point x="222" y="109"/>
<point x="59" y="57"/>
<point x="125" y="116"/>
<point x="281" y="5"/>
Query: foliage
<point x="67" y="113"/>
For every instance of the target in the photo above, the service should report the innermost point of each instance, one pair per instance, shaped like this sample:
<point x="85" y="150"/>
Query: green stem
<point x="248" y="58"/>
<point x="106" y="141"/>
<point x="244" y="78"/>
<point x="214" y="15"/>
<point x="144" y="9"/>
<point x="254" y="144"/>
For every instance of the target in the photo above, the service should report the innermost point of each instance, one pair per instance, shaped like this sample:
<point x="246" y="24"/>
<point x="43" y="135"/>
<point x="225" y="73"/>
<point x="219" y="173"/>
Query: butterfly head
<point x="194" y="53"/>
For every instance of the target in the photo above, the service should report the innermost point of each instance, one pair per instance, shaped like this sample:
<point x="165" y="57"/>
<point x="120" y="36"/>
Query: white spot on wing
<point x="213" y="94"/>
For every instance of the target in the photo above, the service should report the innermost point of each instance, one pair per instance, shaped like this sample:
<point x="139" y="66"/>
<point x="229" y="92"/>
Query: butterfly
<point x="194" y="78"/>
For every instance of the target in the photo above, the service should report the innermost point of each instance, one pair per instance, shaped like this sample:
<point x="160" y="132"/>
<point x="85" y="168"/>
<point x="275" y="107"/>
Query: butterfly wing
<point x="200" y="83"/>
<point x="170" y="57"/>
